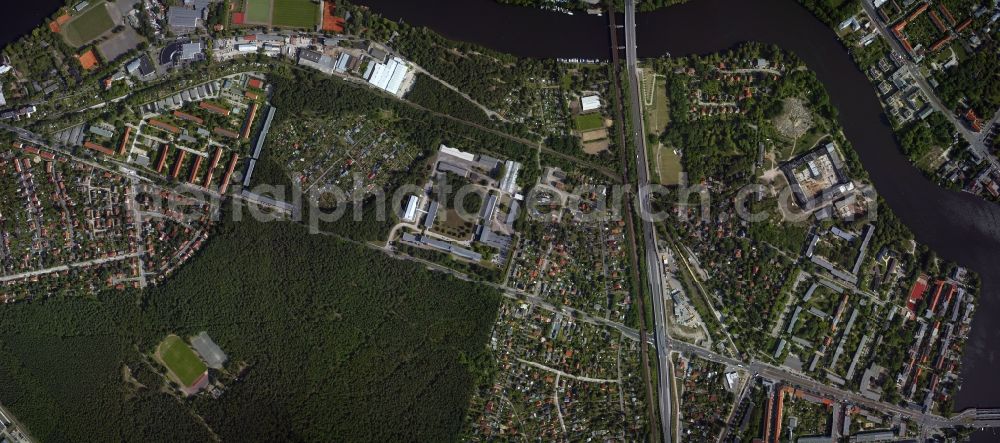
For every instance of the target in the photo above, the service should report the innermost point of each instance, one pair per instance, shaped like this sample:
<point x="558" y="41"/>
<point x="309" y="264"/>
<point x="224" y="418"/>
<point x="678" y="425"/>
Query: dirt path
<point x="564" y="374"/>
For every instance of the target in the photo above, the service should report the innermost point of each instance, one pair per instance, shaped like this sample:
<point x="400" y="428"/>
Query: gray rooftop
<point x="103" y="132"/>
<point x="432" y="211"/>
<point x="180" y="17"/>
<point x="190" y="50"/>
<point x="209" y="351"/>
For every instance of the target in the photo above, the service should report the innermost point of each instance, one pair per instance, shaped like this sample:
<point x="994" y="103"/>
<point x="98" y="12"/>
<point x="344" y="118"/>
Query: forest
<point x="718" y="149"/>
<point x="976" y="79"/>
<point x="831" y="12"/>
<point x="432" y="95"/>
<point x="920" y="136"/>
<point x="338" y="340"/>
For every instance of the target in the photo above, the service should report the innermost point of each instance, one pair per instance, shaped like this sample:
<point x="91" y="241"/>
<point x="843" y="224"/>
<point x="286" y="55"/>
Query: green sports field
<point x="587" y="122"/>
<point x="258" y="11"/>
<point x="295" y="14"/>
<point x="88" y="26"/>
<point x="178" y="357"/>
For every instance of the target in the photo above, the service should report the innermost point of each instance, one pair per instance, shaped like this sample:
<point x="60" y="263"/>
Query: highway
<point x="969" y="418"/>
<point x="665" y="345"/>
<point x="653" y="266"/>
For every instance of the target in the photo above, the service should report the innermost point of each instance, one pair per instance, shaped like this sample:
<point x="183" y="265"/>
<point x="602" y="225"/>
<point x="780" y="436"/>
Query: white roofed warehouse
<point x="410" y="213"/>
<point x="387" y="76"/>
<point x="590" y="103"/>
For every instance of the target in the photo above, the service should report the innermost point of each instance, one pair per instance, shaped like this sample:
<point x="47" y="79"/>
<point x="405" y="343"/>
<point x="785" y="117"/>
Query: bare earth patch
<point x="594" y="135"/>
<point x="795" y="120"/>
<point x="595" y="147"/>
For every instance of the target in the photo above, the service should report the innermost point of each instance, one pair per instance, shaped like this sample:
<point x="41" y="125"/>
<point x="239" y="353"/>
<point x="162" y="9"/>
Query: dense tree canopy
<point x="339" y="341"/>
<point x="976" y="79"/>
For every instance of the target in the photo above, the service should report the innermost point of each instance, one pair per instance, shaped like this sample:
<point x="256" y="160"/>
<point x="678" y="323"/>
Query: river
<point x="20" y="17"/>
<point x="959" y="226"/>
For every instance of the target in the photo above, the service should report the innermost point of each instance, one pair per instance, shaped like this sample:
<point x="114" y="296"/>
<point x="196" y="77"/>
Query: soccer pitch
<point x="295" y="14"/>
<point x="178" y="357"/>
<point x="88" y="26"/>
<point x="258" y="11"/>
<point x="588" y="122"/>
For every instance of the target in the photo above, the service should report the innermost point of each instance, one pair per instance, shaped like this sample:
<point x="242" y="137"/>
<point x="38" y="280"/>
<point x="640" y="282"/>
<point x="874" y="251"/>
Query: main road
<point x="653" y="266"/>
<point x="975" y="140"/>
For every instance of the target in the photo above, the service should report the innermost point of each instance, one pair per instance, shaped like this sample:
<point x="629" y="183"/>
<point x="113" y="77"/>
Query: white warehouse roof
<point x="388" y="76"/>
<point x="509" y="181"/>
<point x="411" y="209"/>
<point x="457" y="154"/>
<point x="590" y="103"/>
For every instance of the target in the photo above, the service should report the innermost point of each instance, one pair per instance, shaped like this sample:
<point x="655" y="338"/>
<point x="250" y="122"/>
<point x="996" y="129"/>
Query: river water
<point x="959" y="226"/>
<point x="20" y="17"/>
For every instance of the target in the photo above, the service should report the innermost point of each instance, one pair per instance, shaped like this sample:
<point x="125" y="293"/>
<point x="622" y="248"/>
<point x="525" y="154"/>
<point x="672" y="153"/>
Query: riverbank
<point x="20" y="18"/>
<point x="958" y="226"/>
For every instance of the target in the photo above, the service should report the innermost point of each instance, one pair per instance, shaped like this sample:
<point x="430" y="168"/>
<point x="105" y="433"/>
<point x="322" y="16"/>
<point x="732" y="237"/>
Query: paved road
<point x="489" y="112"/>
<point x="664" y="344"/>
<point x="975" y="139"/>
<point x="39" y="141"/>
<point x="765" y="370"/>
<point x="16" y="431"/>
<point x="564" y="374"/>
<point x="653" y="266"/>
<point x="60" y="268"/>
<point x="132" y="203"/>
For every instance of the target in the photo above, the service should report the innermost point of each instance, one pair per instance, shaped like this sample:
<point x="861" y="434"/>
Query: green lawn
<point x="931" y="161"/>
<point x="258" y="11"/>
<point x="88" y="26"/>
<point x="295" y="14"/>
<point x="669" y="166"/>
<point x="181" y="360"/>
<point x="588" y="122"/>
<point x="657" y="115"/>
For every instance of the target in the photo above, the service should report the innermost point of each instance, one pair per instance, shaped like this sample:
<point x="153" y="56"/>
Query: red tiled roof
<point x="163" y="158"/>
<point x="940" y="43"/>
<point x="229" y="173"/>
<point x="164" y="126"/>
<point x="98" y="148"/>
<point x="211" y="167"/>
<point x="121" y="147"/>
<point x="213" y="108"/>
<point x="177" y="165"/>
<point x="249" y="121"/>
<point x="947" y="13"/>
<point x="916" y="293"/>
<point x="937" y="21"/>
<point x="226" y="133"/>
<point x="188" y="117"/>
<point x="195" y="168"/>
